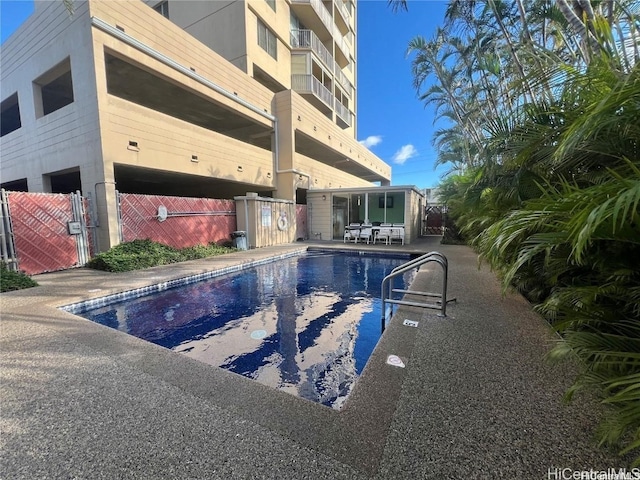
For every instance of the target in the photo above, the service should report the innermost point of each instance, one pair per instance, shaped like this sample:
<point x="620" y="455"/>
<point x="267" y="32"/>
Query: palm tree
<point x="575" y="248"/>
<point x="543" y="130"/>
<point x="428" y="61"/>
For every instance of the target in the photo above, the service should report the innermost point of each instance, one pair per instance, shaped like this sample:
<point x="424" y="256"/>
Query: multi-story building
<point x="192" y="98"/>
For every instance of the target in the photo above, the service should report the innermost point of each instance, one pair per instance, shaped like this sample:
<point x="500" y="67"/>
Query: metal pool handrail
<point x="416" y="263"/>
<point x="420" y="260"/>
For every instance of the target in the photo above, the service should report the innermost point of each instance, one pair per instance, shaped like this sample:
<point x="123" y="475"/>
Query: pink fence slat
<point x="301" y="222"/>
<point x="190" y="221"/>
<point x="42" y="240"/>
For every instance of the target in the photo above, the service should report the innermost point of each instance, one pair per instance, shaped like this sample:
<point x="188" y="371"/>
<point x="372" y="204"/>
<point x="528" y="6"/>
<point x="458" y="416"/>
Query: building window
<point x="272" y="4"/>
<point x="10" y="119"/>
<point x="267" y="40"/>
<point x="163" y="8"/>
<point x="16" y="185"/>
<point x="54" y="89"/>
<point x="66" y="181"/>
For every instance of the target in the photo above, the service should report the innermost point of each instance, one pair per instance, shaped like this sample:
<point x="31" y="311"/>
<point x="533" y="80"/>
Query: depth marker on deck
<point x="395" y="361"/>
<point x="410" y="323"/>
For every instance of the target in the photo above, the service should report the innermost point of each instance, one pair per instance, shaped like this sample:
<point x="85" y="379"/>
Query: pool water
<point x="305" y="324"/>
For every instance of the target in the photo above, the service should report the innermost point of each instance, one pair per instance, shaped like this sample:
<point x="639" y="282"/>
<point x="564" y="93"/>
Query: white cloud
<point x="371" y="141"/>
<point x="404" y="154"/>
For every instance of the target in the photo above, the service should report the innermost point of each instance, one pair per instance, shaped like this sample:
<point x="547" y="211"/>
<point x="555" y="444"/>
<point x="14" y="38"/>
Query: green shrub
<point x="204" y="251"/>
<point x="452" y="235"/>
<point x="134" y="256"/>
<point x="140" y="254"/>
<point x="10" y="280"/>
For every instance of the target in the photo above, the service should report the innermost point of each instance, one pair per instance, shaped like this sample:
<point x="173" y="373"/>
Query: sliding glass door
<point x="340" y="215"/>
<point x="368" y="207"/>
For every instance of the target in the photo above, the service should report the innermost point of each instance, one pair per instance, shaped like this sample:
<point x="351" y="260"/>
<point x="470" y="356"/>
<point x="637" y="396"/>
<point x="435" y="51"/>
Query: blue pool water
<point x="305" y="324"/>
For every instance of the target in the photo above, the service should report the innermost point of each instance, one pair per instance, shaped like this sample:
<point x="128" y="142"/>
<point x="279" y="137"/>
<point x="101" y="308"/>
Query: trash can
<point x="239" y="239"/>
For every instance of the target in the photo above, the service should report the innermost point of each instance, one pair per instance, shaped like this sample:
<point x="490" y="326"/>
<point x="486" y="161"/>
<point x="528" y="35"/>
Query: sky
<point x="395" y="124"/>
<point x="391" y="122"/>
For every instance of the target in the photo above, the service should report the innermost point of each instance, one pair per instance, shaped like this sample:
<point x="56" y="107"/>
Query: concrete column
<point x="107" y="232"/>
<point x="285" y="136"/>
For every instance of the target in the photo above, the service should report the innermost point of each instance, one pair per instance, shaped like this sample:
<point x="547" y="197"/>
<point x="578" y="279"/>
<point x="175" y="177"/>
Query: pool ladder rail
<point x="416" y="263"/>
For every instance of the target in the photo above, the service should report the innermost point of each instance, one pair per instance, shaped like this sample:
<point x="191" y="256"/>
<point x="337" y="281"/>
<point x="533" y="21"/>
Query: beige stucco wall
<point x="278" y="22"/>
<point x="219" y="23"/>
<point x="325" y="176"/>
<point x="162" y="35"/>
<point x="320" y="215"/>
<point x="266" y="221"/>
<point x="92" y="134"/>
<point x="168" y="144"/>
<point x="413" y="214"/>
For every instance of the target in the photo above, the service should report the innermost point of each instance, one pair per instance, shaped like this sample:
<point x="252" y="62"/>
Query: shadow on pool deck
<point x="476" y="399"/>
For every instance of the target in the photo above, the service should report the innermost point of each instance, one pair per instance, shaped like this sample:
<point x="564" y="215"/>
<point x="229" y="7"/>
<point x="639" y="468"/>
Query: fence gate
<point x="49" y="231"/>
<point x="434" y="220"/>
<point x="7" y="247"/>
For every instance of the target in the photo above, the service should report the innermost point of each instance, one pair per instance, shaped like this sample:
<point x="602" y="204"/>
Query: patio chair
<point x="397" y="233"/>
<point x="383" y="233"/>
<point x="366" y="232"/>
<point x="351" y="233"/>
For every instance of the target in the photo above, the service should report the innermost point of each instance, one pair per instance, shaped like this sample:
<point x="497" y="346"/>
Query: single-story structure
<point x="330" y="211"/>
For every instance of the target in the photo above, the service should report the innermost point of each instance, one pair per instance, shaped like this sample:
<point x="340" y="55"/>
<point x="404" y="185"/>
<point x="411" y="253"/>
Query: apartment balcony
<point x="312" y="11"/>
<point x="342" y="49"/>
<point x="349" y="37"/>
<point x="343" y="114"/>
<point x="305" y="40"/>
<point x="342" y="79"/>
<point x="312" y="89"/>
<point x="344" y="9"/>
<point x="342" y="15"/>
<point x="315" y="15"/>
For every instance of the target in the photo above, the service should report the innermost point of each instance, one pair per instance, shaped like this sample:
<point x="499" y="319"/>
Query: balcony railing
<point x="343" y="112"/>
<point x="308" y="39"/>
<point x="342" y="79"/>
<point x="310" y="84"/>
<point x="349" y="37"/>
<point x="344" y="10"/>
<point x="340" y="41"/>
<point x="320" y="10"/>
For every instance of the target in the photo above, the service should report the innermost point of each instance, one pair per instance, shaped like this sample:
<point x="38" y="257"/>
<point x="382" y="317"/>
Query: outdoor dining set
<point x="387" y="232"/>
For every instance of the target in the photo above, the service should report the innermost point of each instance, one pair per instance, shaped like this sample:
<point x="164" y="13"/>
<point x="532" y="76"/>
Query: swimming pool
<point x="306" y="324"/>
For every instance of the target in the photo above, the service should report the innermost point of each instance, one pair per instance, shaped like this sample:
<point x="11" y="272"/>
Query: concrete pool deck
<point x="475" y="400"/>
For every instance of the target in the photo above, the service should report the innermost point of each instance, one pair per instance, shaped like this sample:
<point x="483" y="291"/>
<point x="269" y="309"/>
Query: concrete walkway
<point x="476" y="399"/>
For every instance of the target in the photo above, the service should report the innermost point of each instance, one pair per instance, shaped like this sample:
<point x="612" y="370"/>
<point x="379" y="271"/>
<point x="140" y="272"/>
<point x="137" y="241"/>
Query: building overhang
<point x="320" y="152"/>
<point x="136" y="179"/>
<point x="319" y="138"/>
<point x="372" y="189"/>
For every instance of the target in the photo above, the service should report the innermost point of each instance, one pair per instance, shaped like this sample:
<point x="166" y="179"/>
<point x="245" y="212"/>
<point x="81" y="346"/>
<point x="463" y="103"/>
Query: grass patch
<point x="140" y="254"/>
<point x="10" y="280"/>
